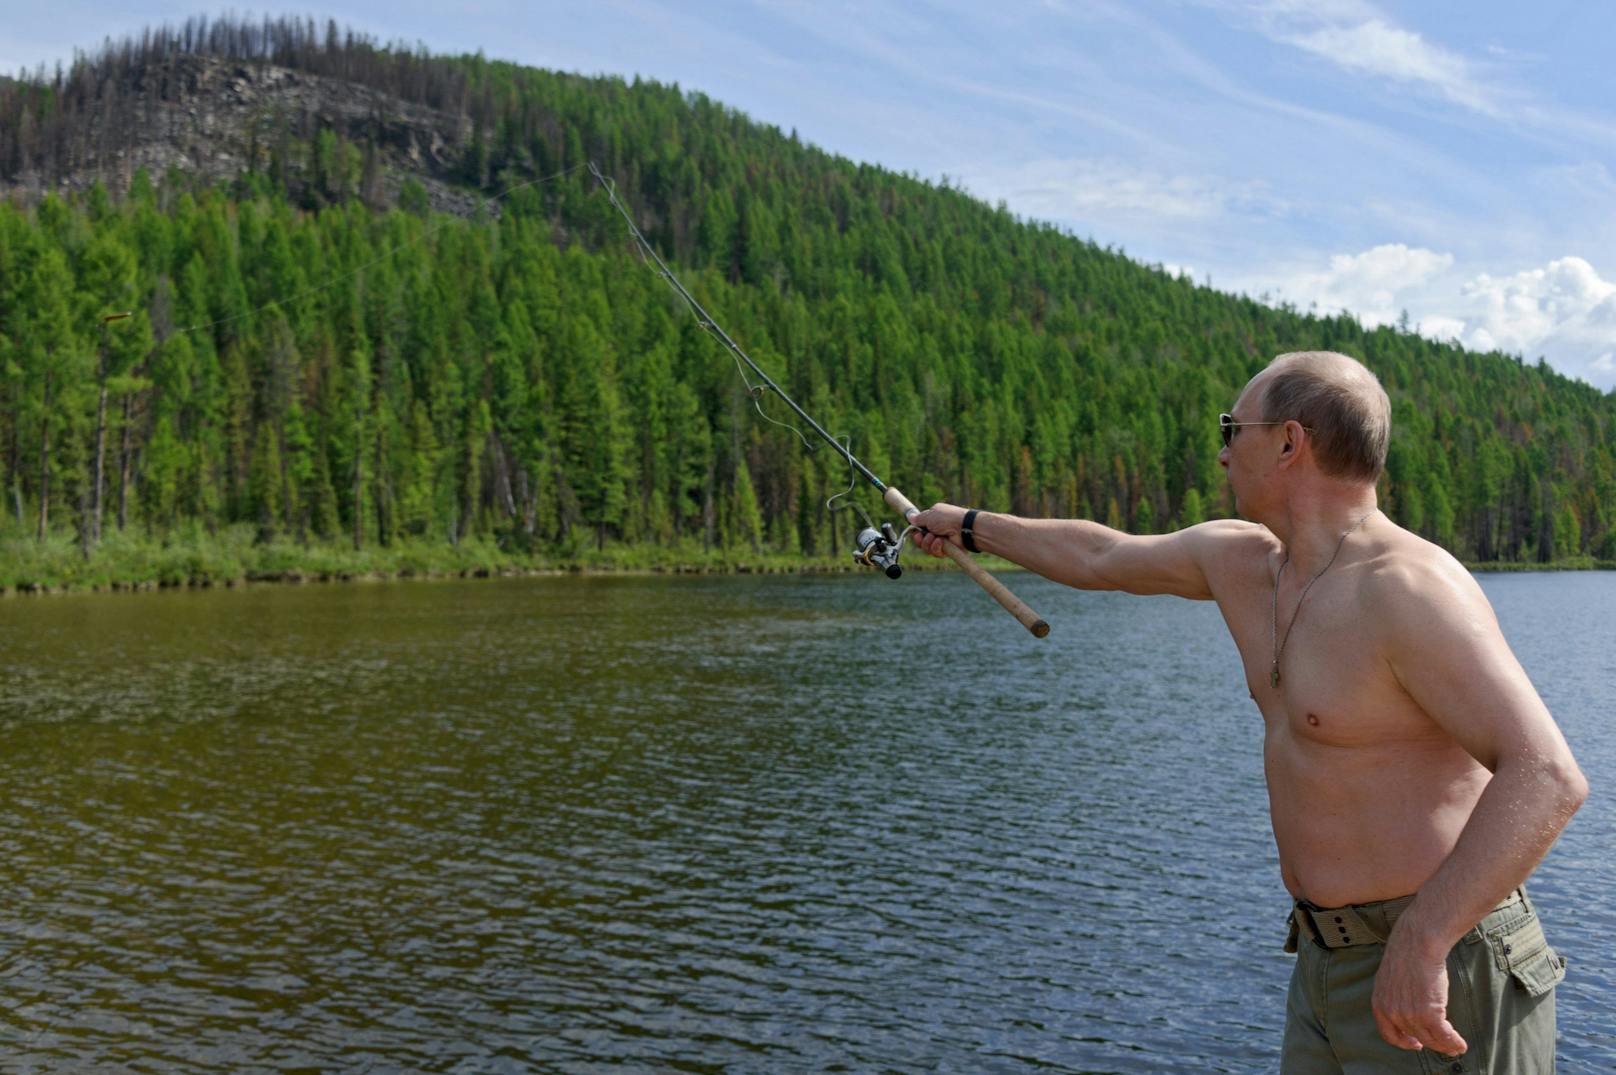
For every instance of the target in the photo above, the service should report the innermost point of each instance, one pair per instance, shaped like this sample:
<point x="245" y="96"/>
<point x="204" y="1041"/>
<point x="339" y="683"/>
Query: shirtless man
<point x="1414" y="776"/>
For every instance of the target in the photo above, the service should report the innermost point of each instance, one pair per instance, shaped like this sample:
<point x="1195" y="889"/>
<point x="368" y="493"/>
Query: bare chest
<point x="1319" y="671"/>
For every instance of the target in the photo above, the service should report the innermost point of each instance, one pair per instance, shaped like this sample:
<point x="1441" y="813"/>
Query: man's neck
<point x="1311" y="526"/>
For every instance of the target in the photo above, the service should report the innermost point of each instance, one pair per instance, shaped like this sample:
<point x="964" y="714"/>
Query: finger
<point x="1395" y="1035"/>
<point x="1441" y="1037"/>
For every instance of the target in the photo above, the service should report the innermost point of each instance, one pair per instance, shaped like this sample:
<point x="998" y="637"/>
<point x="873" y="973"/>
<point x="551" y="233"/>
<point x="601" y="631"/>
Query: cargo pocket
<point x="1524" y="952"/>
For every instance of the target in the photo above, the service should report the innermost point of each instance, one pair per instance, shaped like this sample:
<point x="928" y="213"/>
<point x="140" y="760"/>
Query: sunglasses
<point x="1229" y="427"/>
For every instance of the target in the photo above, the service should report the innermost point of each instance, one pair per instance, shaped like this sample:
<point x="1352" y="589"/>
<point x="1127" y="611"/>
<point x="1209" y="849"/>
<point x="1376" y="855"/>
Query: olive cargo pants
<point x="1501" y="979"/>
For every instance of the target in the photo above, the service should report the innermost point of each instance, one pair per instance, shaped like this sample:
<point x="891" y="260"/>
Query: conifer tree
<point x="517" y="374"/>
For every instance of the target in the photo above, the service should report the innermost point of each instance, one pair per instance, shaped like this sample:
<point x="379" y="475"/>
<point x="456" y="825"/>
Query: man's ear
<point x="1291" y="443"/>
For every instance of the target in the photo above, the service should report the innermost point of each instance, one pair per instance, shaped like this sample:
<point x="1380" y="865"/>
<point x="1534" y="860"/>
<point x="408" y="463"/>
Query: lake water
<point x="694" y="824"/>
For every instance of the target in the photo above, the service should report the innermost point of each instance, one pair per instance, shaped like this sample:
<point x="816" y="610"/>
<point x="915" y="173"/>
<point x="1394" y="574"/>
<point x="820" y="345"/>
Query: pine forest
<point x="318" y="359"/>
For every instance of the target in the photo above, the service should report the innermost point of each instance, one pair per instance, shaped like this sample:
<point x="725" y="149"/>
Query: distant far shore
<point x="1580" y="563"/>
<point x="234" y="557"/>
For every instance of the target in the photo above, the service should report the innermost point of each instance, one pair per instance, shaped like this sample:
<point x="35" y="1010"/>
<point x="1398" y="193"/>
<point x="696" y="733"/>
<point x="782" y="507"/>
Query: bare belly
<point x="1362" y="822"/>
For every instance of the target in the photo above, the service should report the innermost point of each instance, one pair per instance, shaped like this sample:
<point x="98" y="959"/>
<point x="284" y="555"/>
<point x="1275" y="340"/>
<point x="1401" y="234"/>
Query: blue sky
<point x="1456" y="161"/>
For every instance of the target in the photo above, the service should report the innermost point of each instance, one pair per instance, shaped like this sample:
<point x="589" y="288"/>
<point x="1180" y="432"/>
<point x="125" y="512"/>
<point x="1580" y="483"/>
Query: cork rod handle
<point x="1000" y="592"/>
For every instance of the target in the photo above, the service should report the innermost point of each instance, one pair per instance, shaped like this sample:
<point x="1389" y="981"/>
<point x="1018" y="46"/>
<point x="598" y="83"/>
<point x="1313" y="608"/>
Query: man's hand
<point x="939" y="523"/>
<point x="1411" y="998"/>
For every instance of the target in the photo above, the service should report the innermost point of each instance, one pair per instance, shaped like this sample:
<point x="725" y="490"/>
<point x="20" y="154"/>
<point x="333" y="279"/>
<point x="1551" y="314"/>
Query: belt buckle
<point x="1346" y="927"/>
<point x="1337" y="927"/>
<point x="1303" y="915"/>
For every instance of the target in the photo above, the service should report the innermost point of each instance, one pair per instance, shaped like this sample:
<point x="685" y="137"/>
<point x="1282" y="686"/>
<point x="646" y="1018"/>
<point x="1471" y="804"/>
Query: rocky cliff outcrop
<point x="217" y="119"/>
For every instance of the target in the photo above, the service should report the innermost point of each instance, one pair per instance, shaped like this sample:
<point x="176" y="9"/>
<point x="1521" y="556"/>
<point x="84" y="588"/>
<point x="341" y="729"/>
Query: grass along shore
<point x="233" y="556"/>
<point x="230" y="557"/>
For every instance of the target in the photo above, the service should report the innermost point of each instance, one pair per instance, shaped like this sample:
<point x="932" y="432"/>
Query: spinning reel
<point x="880" y="548"/>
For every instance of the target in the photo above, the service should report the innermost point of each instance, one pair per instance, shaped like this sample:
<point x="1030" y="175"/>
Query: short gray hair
<point x="1342" y="405"/>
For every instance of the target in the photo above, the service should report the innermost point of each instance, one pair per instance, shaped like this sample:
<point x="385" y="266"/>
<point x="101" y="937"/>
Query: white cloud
<point x="1565" y="303"/>
<point x="1359" y="38"/>
<point x="1564" y="310"/>
<point x="1441" y="327"/>
<point x="1374" y="47"/>
<point x="1376" y="285"/>
<point x="1090" y="192"/>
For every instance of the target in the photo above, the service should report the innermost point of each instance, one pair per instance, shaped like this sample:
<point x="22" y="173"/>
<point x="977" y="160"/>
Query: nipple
<point x="1313" y="720"/>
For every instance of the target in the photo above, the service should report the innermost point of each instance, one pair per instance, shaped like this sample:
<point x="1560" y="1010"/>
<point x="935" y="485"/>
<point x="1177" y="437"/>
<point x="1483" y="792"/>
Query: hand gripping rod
<point x="893" y="498"/>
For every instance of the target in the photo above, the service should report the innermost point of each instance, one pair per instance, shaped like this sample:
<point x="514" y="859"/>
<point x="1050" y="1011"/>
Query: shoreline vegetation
<point x="234" y="557"/>
<point x="280" y="338"/>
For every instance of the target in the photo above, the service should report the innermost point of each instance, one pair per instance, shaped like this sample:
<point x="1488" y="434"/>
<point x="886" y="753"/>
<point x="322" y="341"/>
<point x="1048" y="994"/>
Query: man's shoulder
<point x="1236" y="534"/>
<point x="1230" y="548"/>
<point x="1408" y="578"/>
<point x="1235" y="539"/>
<point x="1401" y="558"/>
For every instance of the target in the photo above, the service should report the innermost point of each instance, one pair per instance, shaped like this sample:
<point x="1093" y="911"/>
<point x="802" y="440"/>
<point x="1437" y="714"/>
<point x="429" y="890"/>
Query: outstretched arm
<point x="1090" y="556"/>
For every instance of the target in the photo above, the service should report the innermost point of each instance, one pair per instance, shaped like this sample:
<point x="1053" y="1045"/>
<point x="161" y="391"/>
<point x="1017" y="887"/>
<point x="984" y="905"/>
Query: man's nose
<point x="1223" y="457"/>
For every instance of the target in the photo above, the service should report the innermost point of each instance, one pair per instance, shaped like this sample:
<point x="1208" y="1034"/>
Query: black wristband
<point x="966" y="537"/>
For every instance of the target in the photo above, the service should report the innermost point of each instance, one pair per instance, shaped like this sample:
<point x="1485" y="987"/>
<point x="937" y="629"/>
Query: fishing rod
<point x="873" y="547"/>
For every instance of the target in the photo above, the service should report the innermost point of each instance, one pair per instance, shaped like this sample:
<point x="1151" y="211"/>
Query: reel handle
<point x="999" y="591"/>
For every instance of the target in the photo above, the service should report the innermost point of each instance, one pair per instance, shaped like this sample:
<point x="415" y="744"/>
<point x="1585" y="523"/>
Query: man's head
<point x="1339" y="402"/>
<point x="1320" y="401"/>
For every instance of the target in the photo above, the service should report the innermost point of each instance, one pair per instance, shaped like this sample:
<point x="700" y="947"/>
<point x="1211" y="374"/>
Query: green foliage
<point x="318" y="374"/>
<point x="745" y="529"/>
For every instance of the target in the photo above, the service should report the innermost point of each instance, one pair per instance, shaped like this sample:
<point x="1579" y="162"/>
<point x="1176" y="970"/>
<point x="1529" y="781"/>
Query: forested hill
<point x="318" y="354"/>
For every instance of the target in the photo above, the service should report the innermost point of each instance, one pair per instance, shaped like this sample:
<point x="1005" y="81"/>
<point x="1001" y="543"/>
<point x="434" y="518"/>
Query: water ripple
<point x="734" y="824"/>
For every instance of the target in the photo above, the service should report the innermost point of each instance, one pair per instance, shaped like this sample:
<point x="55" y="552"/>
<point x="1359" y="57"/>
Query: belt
<point x="1361" y="923"/>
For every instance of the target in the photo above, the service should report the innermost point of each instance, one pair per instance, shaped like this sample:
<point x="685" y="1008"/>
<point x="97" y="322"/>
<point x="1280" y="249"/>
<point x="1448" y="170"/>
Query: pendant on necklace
<point x="1273" y="677"/>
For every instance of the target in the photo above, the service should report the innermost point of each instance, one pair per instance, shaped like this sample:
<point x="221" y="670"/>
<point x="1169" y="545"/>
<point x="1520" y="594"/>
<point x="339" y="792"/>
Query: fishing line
<point x="648" y="257"/>
<point x="852" y="482"/>
<point x="843" y="443"/>
<point x="642" y="247"/>
<point x="873" y="547"/>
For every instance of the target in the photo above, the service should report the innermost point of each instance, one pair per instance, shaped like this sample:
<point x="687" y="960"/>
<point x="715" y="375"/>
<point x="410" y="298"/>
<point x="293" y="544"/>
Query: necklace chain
<point x="1279" y="643"/>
